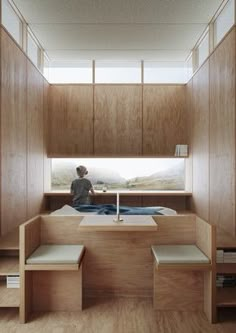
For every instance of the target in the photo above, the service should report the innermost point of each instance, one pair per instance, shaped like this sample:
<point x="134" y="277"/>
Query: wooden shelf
<point x="226" y="268"/>
<point x="9" y="266"/>
<point x="124" y="193"/>
<point x="9" y="297"/>
<point x="224" y="240"/>
<point x="226" y="297"/>
<point x="10" y="241"/>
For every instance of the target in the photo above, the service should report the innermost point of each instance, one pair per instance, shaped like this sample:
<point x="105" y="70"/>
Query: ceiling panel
<point x="118" y="11"/>
<point x="115" y="37"/>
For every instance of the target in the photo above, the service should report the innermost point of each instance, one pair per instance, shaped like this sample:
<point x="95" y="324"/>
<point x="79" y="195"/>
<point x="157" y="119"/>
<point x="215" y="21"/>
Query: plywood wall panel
<point x="164" y="119"/>
<point x="222" y="135"/>
<point x="200" y="142"/>
<point x="118" y="120"/>
<point x="70" y="120"/>
<point x="189" y="160"/>
<point x="35" y="140"/>
<point x="13" y="134"/>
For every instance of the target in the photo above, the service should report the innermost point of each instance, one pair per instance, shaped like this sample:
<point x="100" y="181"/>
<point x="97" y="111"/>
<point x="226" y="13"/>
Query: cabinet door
<point x="70" y="129"/>
<point x="118" y="120"/>
<point x="164" y="119"/>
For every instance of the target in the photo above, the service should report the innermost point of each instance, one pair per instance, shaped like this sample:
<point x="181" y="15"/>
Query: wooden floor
<point x="125" y="315"/>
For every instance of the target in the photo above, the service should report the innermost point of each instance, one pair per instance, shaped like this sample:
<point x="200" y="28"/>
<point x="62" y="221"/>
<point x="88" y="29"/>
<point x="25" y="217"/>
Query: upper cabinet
<point x="118" y="120"/>
<point x="164" y="119"/>
<point x="70" y="120"/>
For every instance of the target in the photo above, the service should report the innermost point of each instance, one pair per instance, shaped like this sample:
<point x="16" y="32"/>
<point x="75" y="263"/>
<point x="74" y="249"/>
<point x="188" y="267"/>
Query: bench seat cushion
<point x="56" y="254"/>
<point x="179" y="254"/>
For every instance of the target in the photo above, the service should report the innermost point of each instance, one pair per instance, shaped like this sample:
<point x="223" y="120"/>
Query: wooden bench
<point x="184" y="274"/>
<point x="51" y="274"/>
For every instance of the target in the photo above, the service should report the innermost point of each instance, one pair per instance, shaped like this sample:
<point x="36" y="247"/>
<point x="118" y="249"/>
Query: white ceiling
<point x="163" y="30"/>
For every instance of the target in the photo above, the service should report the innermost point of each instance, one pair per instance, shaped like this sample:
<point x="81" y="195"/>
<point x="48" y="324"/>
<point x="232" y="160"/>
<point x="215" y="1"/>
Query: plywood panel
<point x="35" y="140"/>
<point x="71" y="120"/>
<point x="118" y="263"/>
<point x="118" y="120"/>
<point x="13" y="134"/>
<point x="200" y="142"/>
<point x="189" y="160"/>
<point x="222" y="135"/>
<point x="164" y="119"/>
<point x="178" y="290"/>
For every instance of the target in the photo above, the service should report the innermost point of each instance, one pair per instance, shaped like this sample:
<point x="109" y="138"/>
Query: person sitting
<point x="81" y="188"/>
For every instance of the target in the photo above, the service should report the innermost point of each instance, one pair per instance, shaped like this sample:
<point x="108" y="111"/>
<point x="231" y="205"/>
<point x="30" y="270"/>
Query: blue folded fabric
<point x="109" y="209"/>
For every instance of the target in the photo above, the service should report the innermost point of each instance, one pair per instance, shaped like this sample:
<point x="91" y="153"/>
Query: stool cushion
<point x="179" y="254"/>
<point x="56" y="254"/>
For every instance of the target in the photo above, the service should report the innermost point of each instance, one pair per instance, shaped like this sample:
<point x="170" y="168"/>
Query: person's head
<point x="81" y="171"/>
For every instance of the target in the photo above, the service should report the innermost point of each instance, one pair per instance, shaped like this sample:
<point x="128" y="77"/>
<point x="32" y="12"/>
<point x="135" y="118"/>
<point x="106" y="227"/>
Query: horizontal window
<point x="12" y="22"/>
<point x="32" y="50"/>
<point x="122" y="173"/>
<point x="117" y="72"/>
<point x="224" y="21"/>
<point x="203" y="50"/>
<point x="79" y="72"/>
<point x="165" y="72"/>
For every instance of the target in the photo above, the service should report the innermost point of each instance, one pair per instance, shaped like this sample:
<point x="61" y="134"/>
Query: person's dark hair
<point x="81" y="170"/>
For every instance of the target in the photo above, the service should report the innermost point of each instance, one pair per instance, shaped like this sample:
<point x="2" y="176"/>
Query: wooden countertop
<point x="129" y="223"/>
<point x="124" y="193"/>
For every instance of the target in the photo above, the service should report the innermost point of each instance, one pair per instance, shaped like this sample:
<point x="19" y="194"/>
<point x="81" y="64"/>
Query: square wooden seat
<point x="56" y="254"/>
<point x="183" y="273"/>
<point x="50" y="270"/>
<point x="179" y="254"/>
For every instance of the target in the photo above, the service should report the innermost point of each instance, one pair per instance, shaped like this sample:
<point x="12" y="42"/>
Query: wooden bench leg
<point x="209" y="296"/>
<point x="25" y="296"/>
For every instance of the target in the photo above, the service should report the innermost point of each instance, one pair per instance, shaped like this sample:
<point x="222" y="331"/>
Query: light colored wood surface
<point x="13" y="135"/>
<point x="57" y="291"/>
<point x="205" y="238"/>
<point x="125" y="193"/>
<point x="118" y="120"/>
<point x="70" y="120"/>
<point x="107" y="223"/>
<point x="222" y="135"/>
<point x="35" y="141"/>
<point x="224" y="239"/>
<point x="161" y="130"/>
<point x="200" y="142"/>
<point x="10" y="241"/>
<point x="52" y="267"/>
<point x="9" y="296"/>
<point x="118" y="263"/>
<point x="189" y="160"/>
<point x="131" y="315"/>
<point x="178" y="290"/>
<point x="9" y="265"/>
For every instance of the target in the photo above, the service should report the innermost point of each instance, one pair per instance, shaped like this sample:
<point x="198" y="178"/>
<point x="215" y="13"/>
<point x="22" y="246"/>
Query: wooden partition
<point x="118" y="263"/>
<point x="212" y="124"/>
<point x="22" y="142"/>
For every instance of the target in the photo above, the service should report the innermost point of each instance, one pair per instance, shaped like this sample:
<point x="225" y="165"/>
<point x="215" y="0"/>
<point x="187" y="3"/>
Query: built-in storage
<point x="9" y="270"/>
<point x="116" y="120"/>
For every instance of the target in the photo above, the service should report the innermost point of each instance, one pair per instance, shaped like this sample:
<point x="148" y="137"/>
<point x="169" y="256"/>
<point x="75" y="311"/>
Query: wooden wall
<point x="71" y="120"/>
<point x="116" y="120"/>
<point x="213" y="136"/>
<point x="22" y="142"/>
<point x="200" y="142"/>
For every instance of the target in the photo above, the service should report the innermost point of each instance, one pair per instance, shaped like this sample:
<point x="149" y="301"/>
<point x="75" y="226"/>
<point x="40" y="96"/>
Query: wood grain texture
<point x="131" y="315"/>
<point x="118" y="120"/>
<point x="189" y="160"/>
<point x="178" y="290"/>
<point x="164" y="119"/>
<point x="206" y="238"/>
<point x="222" y="135"/>
<point x="200" y="142"/>
<point x="57" y="291"/>
<point x="118" y="263"/>
<point x="13" y="135"/>
<point x="35" y="141"/>
<point x="70" y="120"/>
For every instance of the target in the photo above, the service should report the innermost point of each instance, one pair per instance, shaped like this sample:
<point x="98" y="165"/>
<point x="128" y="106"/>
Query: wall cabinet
<point x="70" y="120"/>
<point x="116" y="120"/>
